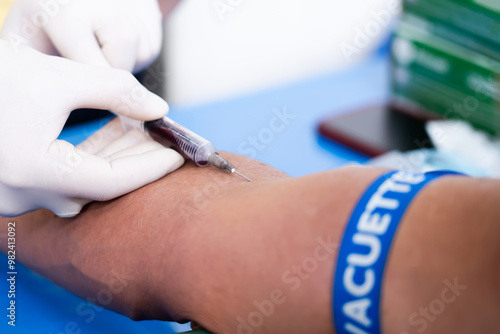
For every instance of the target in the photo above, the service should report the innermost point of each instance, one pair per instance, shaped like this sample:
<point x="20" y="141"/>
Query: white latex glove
<point x="37" y="94"/>
<point x="125" y="34"/>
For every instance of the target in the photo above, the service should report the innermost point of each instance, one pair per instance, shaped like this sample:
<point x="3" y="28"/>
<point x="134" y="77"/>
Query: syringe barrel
<point x="184" y="141"/>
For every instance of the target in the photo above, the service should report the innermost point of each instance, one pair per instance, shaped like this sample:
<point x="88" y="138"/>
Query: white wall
<point x="250" y="45"/>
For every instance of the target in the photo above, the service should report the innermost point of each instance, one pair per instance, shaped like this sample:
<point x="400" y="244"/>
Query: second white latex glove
<point x="37" y="94"/>
<point x="125" y="34"/>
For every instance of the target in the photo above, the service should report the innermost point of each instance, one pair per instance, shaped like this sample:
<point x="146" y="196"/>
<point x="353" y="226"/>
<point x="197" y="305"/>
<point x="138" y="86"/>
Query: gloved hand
<point x="125" y="34"/>
<point x="37" y="94"/>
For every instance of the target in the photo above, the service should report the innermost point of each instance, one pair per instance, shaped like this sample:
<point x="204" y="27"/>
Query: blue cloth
<point x="365" y="246"/>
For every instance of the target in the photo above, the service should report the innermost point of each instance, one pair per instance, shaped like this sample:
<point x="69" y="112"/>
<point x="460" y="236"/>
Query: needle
<point x="243" y="176"/>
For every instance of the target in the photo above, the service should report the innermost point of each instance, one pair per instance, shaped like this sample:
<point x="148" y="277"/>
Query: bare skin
<point x="205" y="246"/>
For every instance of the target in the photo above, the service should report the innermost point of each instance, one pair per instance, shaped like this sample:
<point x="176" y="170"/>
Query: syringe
<point x="187" y="143"/>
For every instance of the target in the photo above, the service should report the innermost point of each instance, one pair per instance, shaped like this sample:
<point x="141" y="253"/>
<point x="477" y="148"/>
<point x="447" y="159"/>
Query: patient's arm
<point x="205" y="246"/>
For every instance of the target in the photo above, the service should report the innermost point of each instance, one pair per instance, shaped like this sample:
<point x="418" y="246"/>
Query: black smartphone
<point x="377" y="130"/>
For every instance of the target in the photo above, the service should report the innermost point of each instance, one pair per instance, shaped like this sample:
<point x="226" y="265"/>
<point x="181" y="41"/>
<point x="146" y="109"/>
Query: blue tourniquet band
<point x="364" y="249"/>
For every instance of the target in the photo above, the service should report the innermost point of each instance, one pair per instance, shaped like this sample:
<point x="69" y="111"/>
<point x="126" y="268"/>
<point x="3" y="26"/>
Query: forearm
<point x="108" y="260"/>
<point x="150" y="238"/>
<point x="201" y="245"/>
<point x="136" y="238"/>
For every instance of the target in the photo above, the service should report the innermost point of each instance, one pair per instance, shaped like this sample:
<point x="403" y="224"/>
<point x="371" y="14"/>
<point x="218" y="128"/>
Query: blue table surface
<point x="247" y="125"/>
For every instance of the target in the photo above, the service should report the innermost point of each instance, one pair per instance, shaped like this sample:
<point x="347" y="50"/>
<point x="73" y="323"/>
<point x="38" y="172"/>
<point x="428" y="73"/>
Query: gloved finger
<point x="70" y="207"/>
<point x="103" y="137"/>
<point x="18" y="32"/>
<point x="148" y="51"/>
<point x="119" y="40"/>
<point x="87" y="176"/>
<point x="66" y="207"/>
<point x="112" y="89"/>
<point x="86" y="50"/>
<point x="134" y="171"/>
<point x="137" y="149"/>
<point x="131" y="138"/>
<point x="14" y="202"/>
<point x="17" y="201"/>
<point x="151" y="32"/>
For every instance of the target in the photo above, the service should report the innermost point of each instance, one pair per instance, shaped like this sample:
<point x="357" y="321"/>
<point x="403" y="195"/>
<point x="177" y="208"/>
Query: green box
<point x="442" y="98"/>
<point x="480" y="18"/>
<point x="490" y="5"/>
<point x="444" y="31"/>
<point x="421" y="51"/>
